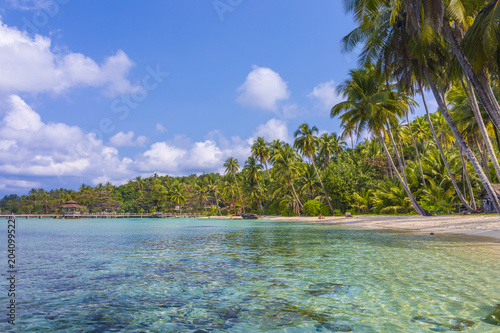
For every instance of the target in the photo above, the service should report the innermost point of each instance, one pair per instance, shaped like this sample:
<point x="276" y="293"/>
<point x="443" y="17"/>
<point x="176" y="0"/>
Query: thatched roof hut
<point x="71" y="208"/>
<point x="70" y="204"/>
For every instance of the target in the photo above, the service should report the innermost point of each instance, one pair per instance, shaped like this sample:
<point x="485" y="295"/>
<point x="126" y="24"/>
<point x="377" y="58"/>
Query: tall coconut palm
<point x="306" y="142"/>
<point x="372" y="107"/>
<point x="286" y="167"/>
<point x="178" y="194"/>
<point x="397" y="51"/>
<point x="252" y="170"/>
<point x="481" y="41"/>
<point x="212" y="187"/>
<point x="326" y="149"/>
<point x="308" y="181"/>
<point x="261" y="151"/>
<point x="232" y="166"/>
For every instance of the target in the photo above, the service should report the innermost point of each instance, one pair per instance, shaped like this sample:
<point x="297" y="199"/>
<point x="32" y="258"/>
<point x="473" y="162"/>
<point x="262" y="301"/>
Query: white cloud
<point x="160" y="128"/>
<point x="162" y="157"/>
<point x="263" y="89"/>
<point x="122" y="139"/>
<point x="204" y="155"/>
<point x="272" y="130"/>
<point x="326" y="94"/>
<point x="40" y="150"/>
<point x="18" y="184"/>
<point x="30" y="65"/>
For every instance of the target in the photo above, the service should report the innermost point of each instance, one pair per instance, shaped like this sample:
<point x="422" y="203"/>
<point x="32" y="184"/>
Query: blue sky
<point x="96" y="91"/>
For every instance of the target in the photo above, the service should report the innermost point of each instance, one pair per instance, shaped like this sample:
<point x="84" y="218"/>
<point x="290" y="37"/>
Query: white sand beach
<point x="472" y="225"/>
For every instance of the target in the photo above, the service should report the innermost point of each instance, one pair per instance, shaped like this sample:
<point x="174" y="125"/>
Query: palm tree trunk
<point x="268" y="174"/>
<point x="484" y="159"/>
<point x="261" y="196"/>
<point x="419" y="209"/>
<point x="234" y="204"/>
<point x="479" y="119"/>
<point x="445" y="161"/>
<point x="239" y="192"/>
<point x="390" y="168"/>
<point x="217" y="201"/>
<point x="497" y="138"/>
<point x="470" y="154"/>
<point x="416" y="150"/>
<point x="293" y="189"/>
<point x="396" y="152"/>
<point x="466" y="173"/>
<point x="322" y="186"/>
<point x="482" y="92"/>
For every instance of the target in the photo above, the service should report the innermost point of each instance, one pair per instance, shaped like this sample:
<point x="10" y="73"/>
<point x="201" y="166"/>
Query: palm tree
<point x="308" y="181"/>
<point x="371" y="106"/>
<point x="213" y="188"/>
<point x="414" y="56"/>
<point x="232" y="166"/>
<point x="306" y="142"/>
<point x="252" y="170"/>
<point x="229" y="190"/>
<point x="178" y="194"/>
<point x="326" y="149"/>
<point x="286" y="167"/>
<point x="260" y="151"/>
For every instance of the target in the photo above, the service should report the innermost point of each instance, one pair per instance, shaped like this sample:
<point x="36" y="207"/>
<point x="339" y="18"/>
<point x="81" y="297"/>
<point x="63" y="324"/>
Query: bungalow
<point x="71" y="208"/>
<point x="487" y="204"/>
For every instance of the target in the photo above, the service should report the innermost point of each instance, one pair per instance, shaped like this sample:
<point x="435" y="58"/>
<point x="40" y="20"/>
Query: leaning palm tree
<point x="232" y="166"/>
<point x="370" y="106"/>
<point x="410" y="57"/>
<point x="306" y="142"/>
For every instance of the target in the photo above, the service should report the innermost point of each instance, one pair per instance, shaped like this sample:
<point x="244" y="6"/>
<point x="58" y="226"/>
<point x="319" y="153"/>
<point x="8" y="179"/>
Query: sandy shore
<point x="472" y="225"/>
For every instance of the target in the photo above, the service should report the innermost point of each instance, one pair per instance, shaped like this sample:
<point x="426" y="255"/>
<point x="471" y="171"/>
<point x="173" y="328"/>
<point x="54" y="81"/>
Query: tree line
<point x="435" y="163"/>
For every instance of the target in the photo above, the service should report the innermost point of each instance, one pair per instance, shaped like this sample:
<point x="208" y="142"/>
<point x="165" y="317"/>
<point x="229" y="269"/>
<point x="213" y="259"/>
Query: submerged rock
<point x="494" y="317"/>
<point x="334" y="327"/>
<point x="454" y="323"/>
<point x="327" y="288"/>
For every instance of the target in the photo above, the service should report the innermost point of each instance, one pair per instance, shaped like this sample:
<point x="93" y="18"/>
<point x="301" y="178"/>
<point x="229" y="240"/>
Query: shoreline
<point x="480" y="226"/>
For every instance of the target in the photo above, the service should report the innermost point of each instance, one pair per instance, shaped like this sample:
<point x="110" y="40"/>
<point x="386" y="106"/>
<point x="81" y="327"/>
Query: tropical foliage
<point x="435" y="163"/>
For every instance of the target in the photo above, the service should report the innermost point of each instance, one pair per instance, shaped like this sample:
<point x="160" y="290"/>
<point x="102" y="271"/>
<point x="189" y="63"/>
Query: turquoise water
<point x="148" y="275"/>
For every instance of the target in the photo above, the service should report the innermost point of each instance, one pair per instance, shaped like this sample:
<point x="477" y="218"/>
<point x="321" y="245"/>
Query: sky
<point x="96" y="91"/>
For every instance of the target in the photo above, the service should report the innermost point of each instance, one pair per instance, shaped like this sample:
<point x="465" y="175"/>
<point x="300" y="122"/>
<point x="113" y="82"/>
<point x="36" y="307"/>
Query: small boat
<point x="250" y="216"/>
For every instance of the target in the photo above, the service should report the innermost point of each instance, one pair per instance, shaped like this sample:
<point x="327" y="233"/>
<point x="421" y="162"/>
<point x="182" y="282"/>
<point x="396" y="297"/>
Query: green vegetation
<point x="432" y="164"/>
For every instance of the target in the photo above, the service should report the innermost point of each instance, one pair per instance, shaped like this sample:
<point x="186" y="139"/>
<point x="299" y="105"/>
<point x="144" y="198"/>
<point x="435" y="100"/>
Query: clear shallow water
<point x="146" y="275"/>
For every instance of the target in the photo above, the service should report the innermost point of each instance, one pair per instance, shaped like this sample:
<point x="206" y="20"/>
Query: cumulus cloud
<point x="263" y="89"/>
<point x="177" y="158"/>
<point x="272" y="130"/>
<point x="326" y="95"/>
<point x="30" y="65"/>
<point x="18" y="184"/>
<point x="33" y="149"/>
<point x="122" y="139"/>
